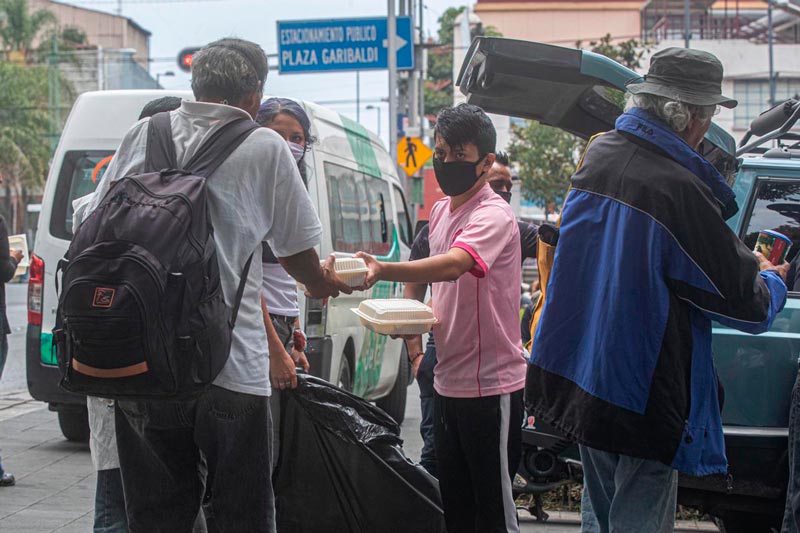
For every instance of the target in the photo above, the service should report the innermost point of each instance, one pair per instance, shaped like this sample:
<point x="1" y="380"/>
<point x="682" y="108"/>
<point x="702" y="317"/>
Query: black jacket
<point x="621" y="358"/>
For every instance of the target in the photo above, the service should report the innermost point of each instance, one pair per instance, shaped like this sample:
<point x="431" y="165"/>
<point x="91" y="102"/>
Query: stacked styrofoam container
<point x="396" y="316"/>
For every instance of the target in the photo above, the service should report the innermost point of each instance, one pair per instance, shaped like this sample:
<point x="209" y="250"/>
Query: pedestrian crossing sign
<point x="412" y="154"/>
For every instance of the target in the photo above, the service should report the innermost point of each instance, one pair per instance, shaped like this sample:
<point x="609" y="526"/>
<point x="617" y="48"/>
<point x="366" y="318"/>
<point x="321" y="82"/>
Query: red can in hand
<point x="773" y="245"/>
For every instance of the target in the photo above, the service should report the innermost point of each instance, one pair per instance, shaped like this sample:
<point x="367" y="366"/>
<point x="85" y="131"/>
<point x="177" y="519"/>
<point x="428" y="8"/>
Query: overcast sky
<point x="178" y="24"/>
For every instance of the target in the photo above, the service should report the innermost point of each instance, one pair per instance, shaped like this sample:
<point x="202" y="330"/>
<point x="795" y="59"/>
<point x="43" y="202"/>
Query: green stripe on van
<point x="360" y="143"/>
<point x="47" y="351"/>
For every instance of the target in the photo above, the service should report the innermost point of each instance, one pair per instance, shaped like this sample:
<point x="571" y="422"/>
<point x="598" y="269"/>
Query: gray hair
<point x="676" y="114"/>
<point x="229" y="70"/>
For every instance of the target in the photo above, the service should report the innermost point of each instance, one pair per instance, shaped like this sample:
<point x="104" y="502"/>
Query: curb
<point x="565" y="517"/>
<point x="17" y="403"/>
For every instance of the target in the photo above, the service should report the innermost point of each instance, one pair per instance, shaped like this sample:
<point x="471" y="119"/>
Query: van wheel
<point x="395" y="403"/>
<point x="345" y="380"/>
<point x="74" y="424"/>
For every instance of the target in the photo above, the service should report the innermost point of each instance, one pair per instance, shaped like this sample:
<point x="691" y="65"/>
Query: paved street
<point x="55" y="479"/>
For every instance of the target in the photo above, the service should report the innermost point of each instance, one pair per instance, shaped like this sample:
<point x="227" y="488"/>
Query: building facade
<point x="103" y="30"/>
<point x="562" y="22"/>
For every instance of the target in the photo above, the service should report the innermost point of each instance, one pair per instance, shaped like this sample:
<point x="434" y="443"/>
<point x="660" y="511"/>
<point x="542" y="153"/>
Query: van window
<point x="403" y="219"/>
<point x="777" y="208"/>
<point x="380" y="224"/>
<point x="361" y="218"/>
<point x="80" y="173"/>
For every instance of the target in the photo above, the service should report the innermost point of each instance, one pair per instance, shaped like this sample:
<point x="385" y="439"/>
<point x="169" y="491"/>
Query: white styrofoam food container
<point x="352" y="270"/>
<point x="396" y="316"/>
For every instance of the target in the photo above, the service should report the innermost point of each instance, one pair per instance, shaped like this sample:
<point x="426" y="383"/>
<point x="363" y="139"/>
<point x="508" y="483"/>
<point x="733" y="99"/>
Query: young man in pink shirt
<point x="474" y="266"/>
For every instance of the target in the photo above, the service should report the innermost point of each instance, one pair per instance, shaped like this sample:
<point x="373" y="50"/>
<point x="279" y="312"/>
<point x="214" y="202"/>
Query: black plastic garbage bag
<point x="342" y="468"/>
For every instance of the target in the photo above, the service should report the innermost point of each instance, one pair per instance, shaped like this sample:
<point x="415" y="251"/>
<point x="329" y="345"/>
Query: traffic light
<point x="185" y="58"/>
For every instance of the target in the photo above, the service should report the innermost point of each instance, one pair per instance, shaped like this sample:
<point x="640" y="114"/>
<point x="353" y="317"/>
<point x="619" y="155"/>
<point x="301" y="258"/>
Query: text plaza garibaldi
<point x="329" y="56"/>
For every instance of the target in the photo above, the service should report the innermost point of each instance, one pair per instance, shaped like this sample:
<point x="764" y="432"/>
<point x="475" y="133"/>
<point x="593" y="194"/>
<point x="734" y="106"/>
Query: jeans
<point x="627" y="493"/>
<point x="791" y="515"/>
<point x="109" y="503"/>
<point x="589" y="522"/>
<point x="478" y="445"/>
<point x="425" y="380"/>
<point x="284" y="327"/>
<point x="165" y="446"/>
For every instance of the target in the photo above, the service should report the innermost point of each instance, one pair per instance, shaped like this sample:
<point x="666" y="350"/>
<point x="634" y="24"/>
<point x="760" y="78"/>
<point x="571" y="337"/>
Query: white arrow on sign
<point x="400" y="43"/>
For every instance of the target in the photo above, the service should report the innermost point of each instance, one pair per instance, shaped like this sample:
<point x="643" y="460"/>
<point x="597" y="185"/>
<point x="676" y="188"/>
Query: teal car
<point x="583" y="93"/>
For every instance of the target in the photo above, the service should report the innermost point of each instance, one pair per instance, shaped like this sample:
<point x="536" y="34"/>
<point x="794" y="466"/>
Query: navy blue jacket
<point x="621" y="357"/>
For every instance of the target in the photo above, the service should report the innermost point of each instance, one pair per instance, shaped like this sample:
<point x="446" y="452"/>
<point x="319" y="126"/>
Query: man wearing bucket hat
<point x="621" y="358"/>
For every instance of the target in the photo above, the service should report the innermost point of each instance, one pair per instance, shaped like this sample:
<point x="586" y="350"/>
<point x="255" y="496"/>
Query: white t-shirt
<point x="256" y="195"/>
<point x="279" y="290"/>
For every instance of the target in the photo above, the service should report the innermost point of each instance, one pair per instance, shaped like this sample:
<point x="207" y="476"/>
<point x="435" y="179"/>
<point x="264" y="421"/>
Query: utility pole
<point x="408" y="97"/>
<point x="771" y="43"/>
<point x="687" y="23"/>
<point x="422" y="68"/>
<point x="391" y="27"/>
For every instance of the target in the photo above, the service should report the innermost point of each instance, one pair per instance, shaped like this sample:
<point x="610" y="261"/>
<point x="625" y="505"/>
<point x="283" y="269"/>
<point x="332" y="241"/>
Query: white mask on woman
<point x="298" y="150"/>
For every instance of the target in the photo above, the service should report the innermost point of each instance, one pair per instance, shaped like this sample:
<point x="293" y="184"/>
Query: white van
<point x="354" y="186"/>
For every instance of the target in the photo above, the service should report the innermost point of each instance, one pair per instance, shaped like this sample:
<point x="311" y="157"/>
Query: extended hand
<point x="374" y="274"/>
<point x="331" y="284"/>
<point x="17" y="254"/>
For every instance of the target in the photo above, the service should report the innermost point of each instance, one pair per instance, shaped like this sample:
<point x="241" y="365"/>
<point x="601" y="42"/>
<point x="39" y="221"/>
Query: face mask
<point x="298" y="151"/>
<point x="505" y="195"/>
<point x="457" y="177"/>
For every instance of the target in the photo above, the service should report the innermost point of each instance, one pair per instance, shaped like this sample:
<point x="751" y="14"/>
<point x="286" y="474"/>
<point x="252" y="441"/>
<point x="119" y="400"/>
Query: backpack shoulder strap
<point x="216" y="149"/>
<point x="240" y="291"/>
<point x="160" y="151"/>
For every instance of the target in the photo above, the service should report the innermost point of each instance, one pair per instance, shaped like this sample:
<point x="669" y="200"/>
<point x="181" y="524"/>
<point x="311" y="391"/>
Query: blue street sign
<point x="341" y="44"/>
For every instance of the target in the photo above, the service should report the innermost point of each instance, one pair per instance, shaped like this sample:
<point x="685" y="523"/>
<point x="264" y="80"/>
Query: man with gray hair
<point x="255" y="195"/>
<point x="621" y="357"/>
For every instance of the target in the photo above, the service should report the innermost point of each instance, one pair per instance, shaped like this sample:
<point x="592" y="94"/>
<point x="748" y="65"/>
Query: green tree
<point x="628" y="53"/>
<point x="546" y="158"/>
<point x="24" y="130"/>
<point x="63" y="38"/>
<point x="439" y="83"/>
<point x="21" y="28"/>
<point x="72" y="36"/>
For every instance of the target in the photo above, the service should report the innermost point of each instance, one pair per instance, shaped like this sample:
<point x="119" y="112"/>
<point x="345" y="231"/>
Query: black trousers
<point x="166" y="446"/>
<point x="478" y="445"/>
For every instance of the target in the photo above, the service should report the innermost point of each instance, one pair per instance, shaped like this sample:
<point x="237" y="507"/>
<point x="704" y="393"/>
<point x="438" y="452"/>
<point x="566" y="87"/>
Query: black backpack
<point x="141" y="314"/>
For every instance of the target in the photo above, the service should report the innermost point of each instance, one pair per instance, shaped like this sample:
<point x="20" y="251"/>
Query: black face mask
<point x="457" y="177"/>
<point x="505" y="195"/>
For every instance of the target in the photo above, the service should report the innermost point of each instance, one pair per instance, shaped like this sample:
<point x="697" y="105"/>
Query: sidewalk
<point x="55" y="478"/>
<point x="56" y="481"/>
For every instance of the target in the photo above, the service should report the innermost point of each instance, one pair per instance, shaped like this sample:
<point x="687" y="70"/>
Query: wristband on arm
<point x="300" y="340"/>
